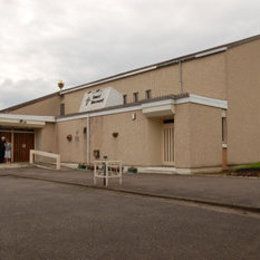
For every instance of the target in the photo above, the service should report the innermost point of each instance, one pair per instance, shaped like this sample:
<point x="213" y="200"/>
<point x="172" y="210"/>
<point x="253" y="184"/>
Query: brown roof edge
<point x="30" y="102"/>
<point x="161" y="64"/>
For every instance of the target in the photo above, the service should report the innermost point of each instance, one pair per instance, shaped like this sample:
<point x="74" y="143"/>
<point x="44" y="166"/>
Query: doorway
<point x="21" y="142"/>
<point x="168" y="144"/>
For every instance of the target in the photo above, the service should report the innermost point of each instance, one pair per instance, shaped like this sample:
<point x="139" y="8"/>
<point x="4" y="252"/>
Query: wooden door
<point x="23" y="142"/>
<point x="168" y="144"/>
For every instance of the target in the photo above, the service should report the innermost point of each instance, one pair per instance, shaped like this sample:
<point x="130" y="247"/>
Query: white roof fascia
<point x="206" y="53"/>
<point x="201" y="100"/>
<point x="101" y="113"/>
<point x="49" y="119"/>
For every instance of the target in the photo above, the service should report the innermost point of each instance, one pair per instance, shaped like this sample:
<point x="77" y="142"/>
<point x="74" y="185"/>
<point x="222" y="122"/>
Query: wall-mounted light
<point x="115" y="134"/>
<point x="96" y="154"/>
<point x="69" y="138"/>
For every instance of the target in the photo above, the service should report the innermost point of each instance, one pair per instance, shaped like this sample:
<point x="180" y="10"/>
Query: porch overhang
<point x="159" y="108"/>
<point x="166" y="107"/>
<point x="25" y="121"/>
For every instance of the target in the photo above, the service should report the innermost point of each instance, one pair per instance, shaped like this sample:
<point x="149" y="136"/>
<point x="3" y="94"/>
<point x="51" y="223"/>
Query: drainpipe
<point x="180" y="75"/>
<point x="88" y="141"/>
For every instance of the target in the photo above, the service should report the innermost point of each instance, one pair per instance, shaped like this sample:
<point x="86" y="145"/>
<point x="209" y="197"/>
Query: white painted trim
<point x="127" y="74"/>
<point x="22" y="123"/>
<point x="224" y="145"/>
<point x="196" y="99"/>
<point x="50" y="119"/>
<point x="213" y="102"/>
<point x="16" y="131"/>
<point x="101" y="113"/>
<point x="206" y="53"/>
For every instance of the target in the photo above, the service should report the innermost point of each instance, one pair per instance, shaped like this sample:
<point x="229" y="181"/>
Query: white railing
<point x="107" y="170"/>
<point x="45" y="154"/>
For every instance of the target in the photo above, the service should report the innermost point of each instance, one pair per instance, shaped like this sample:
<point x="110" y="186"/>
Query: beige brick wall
<point x="76" y="150"/>
<point x="46" y="140"/>
<point x="198" y="139"/>
<point x="243" y="116"/>
<point x="47" y="107"/>
<point x="138" y="142"/>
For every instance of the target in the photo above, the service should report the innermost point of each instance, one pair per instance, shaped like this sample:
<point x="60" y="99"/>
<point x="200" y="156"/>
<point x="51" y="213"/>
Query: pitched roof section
<point x="191" y="56"/>
<point x="30" y="102"/>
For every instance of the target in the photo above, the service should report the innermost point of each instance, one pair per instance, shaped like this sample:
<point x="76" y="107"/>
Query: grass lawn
<point x="252" y="169"/>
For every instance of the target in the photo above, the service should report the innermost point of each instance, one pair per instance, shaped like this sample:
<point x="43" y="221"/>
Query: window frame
<point x="62" y="109"/>
<point x="148" y="94"/>
<point x="125" y="99"/>
<point x="135" y="97"/>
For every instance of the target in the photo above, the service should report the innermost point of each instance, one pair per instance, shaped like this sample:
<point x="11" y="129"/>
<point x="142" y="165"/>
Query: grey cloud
<point x="13" y="93"/>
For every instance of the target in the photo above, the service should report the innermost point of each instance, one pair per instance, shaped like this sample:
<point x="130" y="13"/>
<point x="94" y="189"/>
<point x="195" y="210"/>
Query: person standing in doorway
<point x="2" y="149"/>
<point x="8" y="148"/>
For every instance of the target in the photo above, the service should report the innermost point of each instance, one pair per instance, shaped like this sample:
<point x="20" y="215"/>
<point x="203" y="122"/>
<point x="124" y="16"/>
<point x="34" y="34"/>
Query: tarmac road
<point x="43" y="220"/>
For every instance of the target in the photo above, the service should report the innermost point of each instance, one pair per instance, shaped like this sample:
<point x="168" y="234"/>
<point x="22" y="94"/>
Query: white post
<point x="106" y="174"/>
<point x="95" y="172"/>
<point x="58" y="162"/>
<point x="31" y="156"/>
<point x="120" y="174"/>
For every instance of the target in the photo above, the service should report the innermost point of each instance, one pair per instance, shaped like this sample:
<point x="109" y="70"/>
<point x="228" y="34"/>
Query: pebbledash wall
<point x="226" y="73"/>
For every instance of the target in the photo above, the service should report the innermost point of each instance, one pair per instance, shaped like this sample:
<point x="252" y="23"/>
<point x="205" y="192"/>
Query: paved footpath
<point x="241" y="192"/>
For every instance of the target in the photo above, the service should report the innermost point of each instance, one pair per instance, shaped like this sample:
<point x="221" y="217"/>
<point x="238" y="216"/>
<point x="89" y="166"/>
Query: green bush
<point x="132" y="170"/>
<point x="246" y="167"/>
<point x="82" y="166"/>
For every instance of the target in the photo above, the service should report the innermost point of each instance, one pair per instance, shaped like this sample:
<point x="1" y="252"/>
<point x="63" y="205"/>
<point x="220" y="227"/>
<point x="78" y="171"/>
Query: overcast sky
<point x="43" y="41"/>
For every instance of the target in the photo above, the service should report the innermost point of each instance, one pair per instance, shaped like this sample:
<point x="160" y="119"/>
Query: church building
<point x="195" y="113"/>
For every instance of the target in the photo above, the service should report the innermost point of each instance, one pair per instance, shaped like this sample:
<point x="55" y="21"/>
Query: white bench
<point x="107" y="170"/>
<point x="50" y="155"/>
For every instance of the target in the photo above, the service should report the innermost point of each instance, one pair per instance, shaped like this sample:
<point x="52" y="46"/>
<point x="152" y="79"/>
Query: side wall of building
<point x="243" y="103"/>
<point x="138" y="141"/>
<point x="75" y="150"/>
<point x="46" y="140"/>
<point x="198" y="136"/>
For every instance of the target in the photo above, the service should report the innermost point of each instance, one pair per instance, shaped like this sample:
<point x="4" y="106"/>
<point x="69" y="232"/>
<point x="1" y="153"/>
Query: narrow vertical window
<point x="62" y="109"/>
<point x="125" y="99"/>
<point x="224" y="130"/>
<point x="148" y="94"/>
<point x="135" y="96"/>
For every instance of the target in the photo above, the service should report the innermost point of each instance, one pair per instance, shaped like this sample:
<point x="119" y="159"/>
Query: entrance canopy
<point x="159" y="108"/>
<point x="166" y="107"/>
<point x="25" y="121"/>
